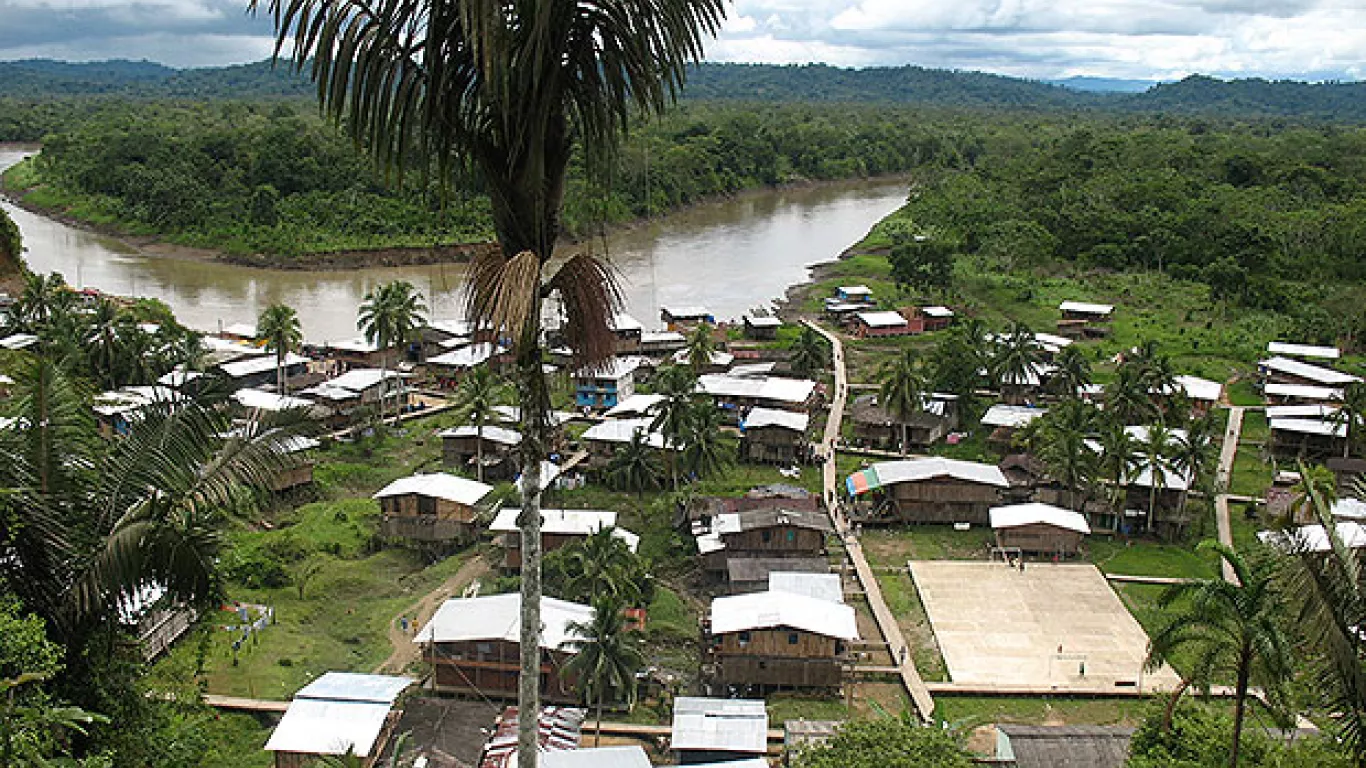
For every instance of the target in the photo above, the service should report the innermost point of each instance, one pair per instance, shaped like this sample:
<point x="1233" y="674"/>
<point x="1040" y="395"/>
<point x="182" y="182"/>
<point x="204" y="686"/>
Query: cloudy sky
<point x="1136" y="39"/>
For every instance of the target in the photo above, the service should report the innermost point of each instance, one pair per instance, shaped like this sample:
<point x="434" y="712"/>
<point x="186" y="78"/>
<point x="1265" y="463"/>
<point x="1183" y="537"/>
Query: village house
<point x="854" y="294"/>
<point x="602" y="439"/>
<point x="1171" y="484"/>
<point x="250" y="402"/>
<point x="460" y="447"/>
<point x="1306" y="431"/>
<point x="776" y="640"/>
<point x="1303" y="351"/>
<point x="1347" y="471"/>
<point x="1315" y="538"/>
<point x="765" y="528"/>
<point x="339" y="713"/>
<point x="439" y="336"/>
<point x="685" y="318"/>
<point x="362" y="353"/>
<point x="360" y="390"/>
<point x="559" y="527"/>
<point x="1005" y="420"/>
<point x="179" y="379"/>
<point x="772" y="436"/>
<point x="259" y="371"/>
<point x="1201" y="393"/>
<point x="718" y="730"/>
<point x="118" y="410"/>
<point x="877" y="324"/>
<point x="736" y="394"/>
<point x="1300" y="394"/>
<point x="875" y="427"/>
<point x="1084" y="320"/>
<point x="840" y="312"/>
<point x="661" y="342"/>
<point x="627" y="332"/>
<point x="156" y="619"/>
<point x="635" y="406"/>
<point x="300" y="472"/>
<point x="762" y="328"/>
<point x="1062" y="746"/>
<point x="450" y="367"/>
<point x="929" y="490"/>
<point x="1039" y="529"/>
<point x="1283" y="370"/>
<point x="435" y="508"/>
<point x="755" y="574"/>
<point x="558" y="733"/>
<point x="1029" y="479"/>
<point x="932" y="318"/>
<point x="473" y="646"/>
<point x="16" y="341"/>
<point x="238" y="332"/>
<point x="606" y="385"/>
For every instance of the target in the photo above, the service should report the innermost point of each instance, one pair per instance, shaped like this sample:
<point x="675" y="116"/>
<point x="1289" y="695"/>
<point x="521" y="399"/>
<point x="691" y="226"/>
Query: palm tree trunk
<point x="597" y="732"/>
<point x="1152" y="502"/>
<point x="1172" y="701"/>
<point x="1240" y="704"/>
<point x="479" y="451"/>
<point x="531" y="380"/>
<point x="905" y="445"/>
<point x="280" y="373"/>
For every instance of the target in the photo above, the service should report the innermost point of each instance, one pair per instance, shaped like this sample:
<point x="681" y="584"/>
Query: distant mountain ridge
<point x="1195" y="95"/>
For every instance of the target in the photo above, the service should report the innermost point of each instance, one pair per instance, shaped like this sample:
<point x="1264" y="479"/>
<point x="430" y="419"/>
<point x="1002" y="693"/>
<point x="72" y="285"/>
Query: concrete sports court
<point x="1049" y="626"/>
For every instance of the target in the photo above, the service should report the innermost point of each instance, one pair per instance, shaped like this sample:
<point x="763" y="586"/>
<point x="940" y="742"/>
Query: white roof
<point x="915" y="470"/>
<point x="19" y="341"/>
<point x="663" y="337"/>
<point x="835" y="305"/>
<point x="437" y="485"/>
<point x="1309" y="427"/>
<point x="622" y="430"/>
<point x="1311" y="411"/>
<point x="247" y="330"/>
<point x="1197" y="388"/>
<point x="1302" y="391"/>
<point x="130" y="399"/>
<point x="352" y="686"/>
<point x="513" y="415"/>
<point x="772" y="388"/>
<point x="357" y="344"/>
<point x="1314" y="538"/>
<point x="937" y="311"/>
<point x="770" y="610"/>
<point x="254" y="365"/>
<point x="467" y="357"/>
<point x="635" y="404"/>
<point x="822" y="586"/>
<point x="616" y="368"/>
<point x="298" y="443"/>
<point x="717" y="357"/>
<point x="1052" y="342"/>
<point x="499" y="617"/>
<point x="624" y="322"/>
<point x="753" y="369"/>
<point x="568" y="522"/>
<point x="1016" y="515"/>
<point x="361" y="379"/>
<point x="763" y="322"/>
<point x="492" y="432"/>
<point x="724" y="725"/>
<point x="855" y="290"/>
<point x="1013" y="416"/>
<point x="1084" y="308"/>
<point x="452" y="327"/>
<point x="632" y="756"/>
<point x="1285" y="365"/>
<point x="177" y="378"/>
<point x="260" y="400"/>
<point x="685" y="311"/>
<point x="709" y="542"/>
<point x="1303" y="350"/>
<point x="325" y="727"/>
<point x="885" y="319"/>
<point x="771" y="417"/>
<point x="1349" y="508"/>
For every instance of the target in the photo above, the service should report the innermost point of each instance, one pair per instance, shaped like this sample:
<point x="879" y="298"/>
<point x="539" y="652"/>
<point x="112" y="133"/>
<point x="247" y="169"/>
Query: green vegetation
<point x="887" y="742"/>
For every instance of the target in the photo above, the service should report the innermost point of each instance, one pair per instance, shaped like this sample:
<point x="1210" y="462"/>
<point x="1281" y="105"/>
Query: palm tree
<point x="1328" y="600"/>
<point x="1232" y="628"/>
<point x="1119" y="459"/>
<point x="1017" y="359"/>
<point x="703" y="447"/>
<point x="479" y="396"/>
<point x="389" y="316"/>
<point x="507" y="89"/>
<point x="1350" y="414"/>
<point x="278" y="326"/>
<point x="41" y="298"/>
<point x="1156" y="448"/>
<point x="701" y="346"/>
<point x="1127" y="397"/>
<point x="632" y="467"/>
<point x="902" y="393"/>
<point x="606" y="658"/>
<point x="1061" y="445"/>
<point x="678" y="386"/>
<point x="810" y="352"/>
<point x="1193" y="454"/>
<point x="103" y="347"/>
<point x="602" y="565"/>
<point x="1317" y="484"/>
<point x="1073" y="372"/>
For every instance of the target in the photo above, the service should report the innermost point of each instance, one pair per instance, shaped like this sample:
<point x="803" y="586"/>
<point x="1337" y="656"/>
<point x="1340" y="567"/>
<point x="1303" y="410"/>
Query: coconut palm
<point x="278" y="326"/>
<point x="1193" y="454"/>
<point x="1317" y="484"/>
<point x="1328" y="600"/>
<point x="1156" y="448"/>
<point x="1072" y="374"/>
<point x="1119" y="459"/>
<point x="42" y="297"/>
<point x="1232" y="627"/>
<point x="1061" y="444"/>
<point x="389" y="316"/>
<point x="809" y="353"/>
<point x="606" y="658"/>
<point x="704" y="450"/>
<point x="507" y="89"/>
<point x="632" y="467"/>
<point x="1127" y="397"/>
<point x="1016" y="360"/>
<point x="602" y="565"/>
<point x="479" y="396"/>
<point x="701" y="346"/>
<point x="902" y="392"/>
<point x="678" y="386"/>
<point x="1351" y="413"/>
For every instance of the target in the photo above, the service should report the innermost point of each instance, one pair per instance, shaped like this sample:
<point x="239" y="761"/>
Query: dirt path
<point x="405" y="650"/>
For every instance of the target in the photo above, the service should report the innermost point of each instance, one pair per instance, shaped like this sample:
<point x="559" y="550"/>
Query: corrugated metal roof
<point x="1303" y="350"/>
<point x="772" y="609"/>
<point x="1309" y="427"/>
<point x="1314" y="538"/>
<point x="937" y="311"/>
<point x="886" y="473"/>
<point x="1085" y="308"/>
<point x="622" y="431"/>
<point x="640" y="405"/>
<point x="492" y="432"/>
<point x="257" y="399"/>
<point x="773" y="417"/>
<point x="1012" y="416"/>
<point x="1197" y="388"/>
<point x="822" y="586"/>
<point x="717" y="358"/>
<point x="614" y="368"/>
<point x="720" y="725"/>
<point x="1300" y="370"/>
<point x="467" y="357"/>
<point x="558" y="729"/>
<point x="352" y="686"/>
<point x="855" y="290"/>
<point x="499" y="617"/>
<point x="1073" y="746"/>
<point x="361" y="379"/>
<point x="685" y="312"/>
<point x="773" y="388"/>
<point x="323" y="727"/>
<point x="1015" y="515"/>
<point x="882" y="319"/>
<point x="255" y="365"/>
<point x="246" y="330"/>
<point x="763" y="322"/>
<point x="1302" y="391"/>
<point x="357" y="344"/>
<point x="1312" y="411"/>
<point x="437" y="485"/>
<point x="1349" y="508"/>
<point x="597" y="757"/>
<point x="567" y="522"/>
<point x="770" y="516"/>
<point x="624" y="322"/>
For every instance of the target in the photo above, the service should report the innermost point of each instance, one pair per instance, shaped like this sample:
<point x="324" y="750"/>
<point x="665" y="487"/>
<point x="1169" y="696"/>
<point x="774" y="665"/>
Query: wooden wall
<point x="1040" y="539"/>
<point x="771" y="659"/>
<point x="779" y="540"/>
<point x="772" y="444"/>
<point x="450" y="521"/>
<point x="944" y="501"/>
<point x="491" y="668"/>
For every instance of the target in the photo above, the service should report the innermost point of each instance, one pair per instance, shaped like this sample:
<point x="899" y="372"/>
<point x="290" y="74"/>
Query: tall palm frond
<point x="606" y="659"/>
<point x="678" y="386"/>
<point x="902" y="391"/>
<point x="278" y="326"/>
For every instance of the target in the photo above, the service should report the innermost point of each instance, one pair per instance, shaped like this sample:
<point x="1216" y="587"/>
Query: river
<point x="730" y="257"/>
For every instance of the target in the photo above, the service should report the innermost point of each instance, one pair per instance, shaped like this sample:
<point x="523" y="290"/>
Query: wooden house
<point x="685" y="318"/>
<point x="360" y="391"/>
<point x="1283" y="370"/>
<point x="1004" y="420"/>
<point x="776" y="639"/>
<point x="460" y="447"/>
<point x="1062" y="746"/>
<point x="1202" y="394"/>
<point x="300" y="471"/>
<point x="606" y="385"/>
<point x="754" y="574"/>
<point x="854" y="294"/>
<point x="362" y="353"/>
<point x="259" y="371"/>
<point x="718" y="730"/>
<point x="772" y="436"/>
<point x="603" y="439"/>
<point x="339" y="713"/>
<point x="1040" y="529"/>
<point x="774" y="529"/>
<point x="875" y="427"/>
<point x="737" y="394"/>
<point x="878" y="324"/>
<point x="431" y="508"/>
<point x="934" y="318"/>
<point x="1347" y="472"/>
<point x="661" y="342"/>
<point x="1303" y="351"/>
<point x="1300" y="394"/>
<point x="450" y="367"/>
<point x="762" y="328"/>
<point x="473" y="646"/>
<point x="627" y="333"/>
<point x="930" y="490"/>
<point x="1168" y="517"/>
<point x="718" y="360"/>
<point x="439" y="336"/>
<point x="238" y="332"/>
<point x="1305" y="436"/>
<point x="559" y="527"/>
<point x="1084" y="320"/>
<point x="117" y="411"/>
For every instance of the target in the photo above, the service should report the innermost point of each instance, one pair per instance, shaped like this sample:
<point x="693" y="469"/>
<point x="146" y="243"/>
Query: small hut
<point x="773" y="530"/>
<point x="460" y="447"/>
<point x="559" y="527"/>
<point x="762" y="328"/>
<point x="877" y="324"/>
<point x="1041" y="529"/>
<point x="777" y="639"/>
<point x="685" y="318"/>
<point x="627" y="332"/>
<point x="1082" y="319"/>
<point x="718" y="730"/>
<point x="431" y="508"/>
<point x="337" y="714"/>
<point x="773" y="436"/>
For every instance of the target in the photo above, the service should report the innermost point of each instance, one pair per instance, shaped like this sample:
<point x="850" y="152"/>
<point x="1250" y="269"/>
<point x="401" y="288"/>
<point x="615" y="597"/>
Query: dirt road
<point x="405" y="650"/>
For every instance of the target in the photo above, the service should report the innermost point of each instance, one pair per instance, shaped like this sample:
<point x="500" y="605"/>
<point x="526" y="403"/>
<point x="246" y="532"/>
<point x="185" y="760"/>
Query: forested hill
<point x="35" y="79"/>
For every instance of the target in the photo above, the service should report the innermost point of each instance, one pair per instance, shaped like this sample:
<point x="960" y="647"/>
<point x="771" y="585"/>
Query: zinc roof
<point x="772" y="388"/>
<point x="1085" y="308"/>
<point x="325" y="727"/>
<point x="773" y="609"/>
<point x="720" y="725"/>
<point x="437" y="485"/>
<point x="1303" y="350"/>
<point x="499" y="617"/>
<point x="492" y="432"/>
<point x="882" y="319"/>
<point x="772" y="417"/>
<point x="1016" y="515"/>
<point x="822" y="586"/>
<point x="1013" y="416"/>
<point x="1316" y="373"/>
<point x="352" y="686"/>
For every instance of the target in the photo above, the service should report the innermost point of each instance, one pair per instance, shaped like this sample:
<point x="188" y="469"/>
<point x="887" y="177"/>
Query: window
<point x="744" y="639"/>
<point x="791" y="638"/>
<point x="766" y="536"/>
<point x="791" y="536"/>
<point x="426" y="505"/>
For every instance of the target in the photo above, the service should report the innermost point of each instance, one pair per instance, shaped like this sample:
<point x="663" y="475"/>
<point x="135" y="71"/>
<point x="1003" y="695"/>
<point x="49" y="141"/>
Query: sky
<point x="1043" y="39"/>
